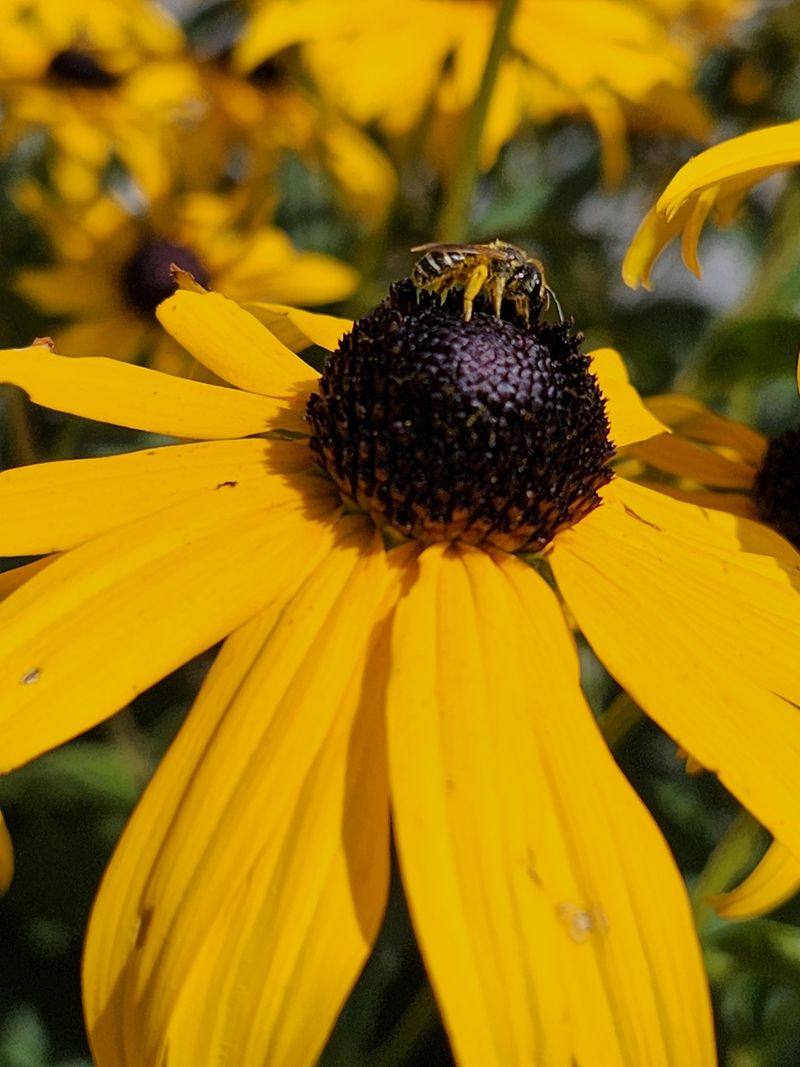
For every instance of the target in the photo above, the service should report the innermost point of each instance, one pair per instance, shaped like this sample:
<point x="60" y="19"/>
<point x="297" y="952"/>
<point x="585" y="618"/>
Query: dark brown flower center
<point x="147" y="277"/>
<point x="268" y="74"/>
<point x="80" y="68"/>
<point x="490" y="431"/>
<point x="777" y="485"/>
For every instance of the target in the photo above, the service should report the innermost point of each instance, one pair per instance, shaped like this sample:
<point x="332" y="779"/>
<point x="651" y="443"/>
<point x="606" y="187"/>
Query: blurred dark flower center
<point x="268" y="74"/>
<point x="79" y="68"/>
<point x="147" y="276"/>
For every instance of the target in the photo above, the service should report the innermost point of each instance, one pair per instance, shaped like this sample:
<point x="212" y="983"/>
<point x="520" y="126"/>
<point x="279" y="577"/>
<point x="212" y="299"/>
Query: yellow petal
<point x="694" y="420"/>
<point x="774" y="880"/>
<point x="6" y="857"/>
<point x="110" y="391"/>
<point x="628" y="416"/>
<point x="649" y="241"/>
<point x="551" y="918"/>
<point x="60" y="289"/>
<point x="306" y="278"/>
<point x="17" y="576"/>
<point x="298" y="329"/>
<point x="284" y="23"/>
<point x="367" y="178"/>
<point x="503" y="117"/>
<point x="674" y="455"/>
<point x="48" y="507"/>
<point x="698" y="214"/>
<point x="234" y="345"/>
<point x="108" y="619"/>
<point x="606" y="113"/>
<point x="249" y="886"/>
<point x="718" y="178"/>
<point x="759" y="151"/>
<point x="734" y="503"/>
<point x="696" y="614"/>
<point x="360" y="87"/>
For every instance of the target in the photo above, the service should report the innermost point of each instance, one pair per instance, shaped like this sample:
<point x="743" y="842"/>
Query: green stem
<point x="455" y="219"/>
<point x="123" y="730"/>
<point x="733" y="854"/>
<point x="418" y="1019"/>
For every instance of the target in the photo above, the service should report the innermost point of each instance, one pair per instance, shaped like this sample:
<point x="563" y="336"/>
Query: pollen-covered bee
<point x="498" y="270"/>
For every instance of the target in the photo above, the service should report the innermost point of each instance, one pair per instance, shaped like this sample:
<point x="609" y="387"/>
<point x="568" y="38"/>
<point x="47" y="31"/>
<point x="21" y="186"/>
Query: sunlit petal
<point x="115" y="392"/>
<point x="15" y="577"/>
<point x="735" y="503"/>
<point x="670" y="597"/>
<point x="759" y="151"/>
<point x="48" y="507"/>
<point x="628" y="416"/>
<point x="234" y="345"/>
<point x="297" y="329"/>
<point x="649" y="241"/>
<point x="553" y="932"/>
<point x="698" y="214"/>
<point x="248" y="889"/>
<point x="108" y="619"/>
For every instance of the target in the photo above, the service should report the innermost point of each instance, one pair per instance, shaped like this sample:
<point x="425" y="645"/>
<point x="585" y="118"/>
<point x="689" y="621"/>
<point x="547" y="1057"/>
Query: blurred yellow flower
<point x="438" y="676"/>
<point x="105" y="80"/>
<point x="252" y="122"/>
<point x="117" y="36"/>
<point x="603" y="59"/>
<point x="716" y="180"/>
<point x="112" y="269"/>
<point x="113" y="82"/>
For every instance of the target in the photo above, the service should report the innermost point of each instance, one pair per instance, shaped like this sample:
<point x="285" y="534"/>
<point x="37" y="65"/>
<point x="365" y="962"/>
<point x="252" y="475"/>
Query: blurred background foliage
<point x="289" y="166"/>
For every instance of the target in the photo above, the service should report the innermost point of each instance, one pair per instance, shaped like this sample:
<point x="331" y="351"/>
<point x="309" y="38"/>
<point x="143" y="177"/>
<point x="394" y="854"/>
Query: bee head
<point x="528" y="280"/>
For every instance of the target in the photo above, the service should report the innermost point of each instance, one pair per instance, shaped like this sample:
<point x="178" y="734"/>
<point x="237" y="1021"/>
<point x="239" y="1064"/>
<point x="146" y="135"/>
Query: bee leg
<point x="476" y="282"/>
<point x="497" y="290"/>
<point x="522" y="306"/>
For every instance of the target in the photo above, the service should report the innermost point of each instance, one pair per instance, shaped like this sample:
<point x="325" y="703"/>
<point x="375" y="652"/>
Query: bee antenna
<point x="552" y="295"/>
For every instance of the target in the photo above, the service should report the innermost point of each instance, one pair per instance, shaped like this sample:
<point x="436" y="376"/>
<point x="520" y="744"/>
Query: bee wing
<point x="484" y="251"/>
<point x="435" y="246"/>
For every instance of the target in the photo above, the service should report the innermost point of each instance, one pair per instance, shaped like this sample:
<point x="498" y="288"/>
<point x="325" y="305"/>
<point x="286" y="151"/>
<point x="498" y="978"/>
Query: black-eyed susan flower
<point x="707" y="459"/>
<point x="716" y="462"/>
<point x="364" y="539"/>
<point x="608" y="61"/>
<point x="716" y="181"/>
<point x="104" y="80"/>
<point x="720" y="463"/>
<point x="252" y="122"/>
<point x="112" y="269"/>
<point x="36" y="33"/>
